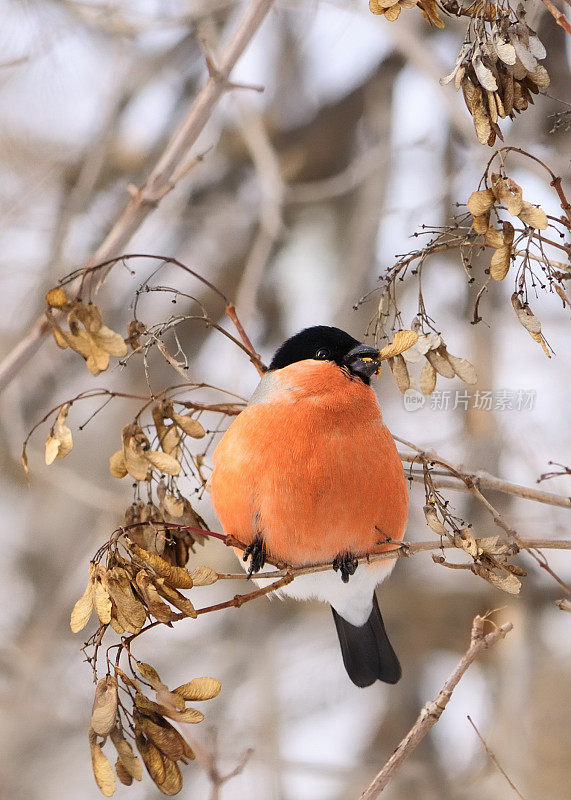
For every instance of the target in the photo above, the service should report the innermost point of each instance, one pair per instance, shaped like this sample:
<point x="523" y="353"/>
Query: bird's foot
<point x="346" y="564"/>
<point x="256" y="552"/>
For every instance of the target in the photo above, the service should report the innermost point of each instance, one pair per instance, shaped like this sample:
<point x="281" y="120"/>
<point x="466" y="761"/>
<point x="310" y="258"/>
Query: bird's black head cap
<point x="324" y="343"/>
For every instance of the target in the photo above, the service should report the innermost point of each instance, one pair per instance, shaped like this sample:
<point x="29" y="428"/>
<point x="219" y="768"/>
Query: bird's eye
<point x="323" y="354"/>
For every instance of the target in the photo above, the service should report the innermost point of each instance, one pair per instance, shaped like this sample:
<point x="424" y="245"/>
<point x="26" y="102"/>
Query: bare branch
<point x="162" y="178"/>
<point x="432" y="711"/>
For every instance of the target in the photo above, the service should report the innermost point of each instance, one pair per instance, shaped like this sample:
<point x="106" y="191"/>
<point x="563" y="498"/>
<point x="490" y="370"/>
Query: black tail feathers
<point x="367" y="653"/>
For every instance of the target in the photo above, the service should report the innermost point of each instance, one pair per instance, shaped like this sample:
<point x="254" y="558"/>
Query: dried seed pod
<point x="175" y="598"/>
<point x="463" y="368"/>
<point x="203" y="576"/>
<point x="157" y="608"/>
<point x="400" y="373"/>
<point x="427" y="378"/>
<point x="125" y="753"/>
<point x="199" y="689"/>
<point x="480" y="202"/>
<point x="433" y="522"/>
<point x="149" y="674"/>
<point x="440" y="363"/>
<point x="525" y="315"/>
<point x="102" y="769"/>
<point x="83" y="608"/>
<point x="402" y="341"/>
<point x="104" y="710"/>
<point x="533" y="216"/>
<point x="102" y="600"/>
<point x="190" y="426"/>
<point x="60" y="441"/>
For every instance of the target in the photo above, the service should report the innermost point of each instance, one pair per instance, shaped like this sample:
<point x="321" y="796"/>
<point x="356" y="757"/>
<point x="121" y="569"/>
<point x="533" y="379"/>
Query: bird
<point x="308" y="473"/>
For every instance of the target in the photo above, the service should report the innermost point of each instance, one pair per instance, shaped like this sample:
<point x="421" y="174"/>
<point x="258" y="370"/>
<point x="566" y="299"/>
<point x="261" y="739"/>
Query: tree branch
<point x="432" y="711"/>
<point x="163" y="178"/>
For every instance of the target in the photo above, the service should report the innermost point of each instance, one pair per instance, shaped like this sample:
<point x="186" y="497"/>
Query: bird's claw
<point x="256" y="552"/>
<point x="346" y="564"/>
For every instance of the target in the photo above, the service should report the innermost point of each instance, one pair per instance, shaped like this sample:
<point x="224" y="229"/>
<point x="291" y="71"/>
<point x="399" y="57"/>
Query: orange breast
<point x="312" y="468"/>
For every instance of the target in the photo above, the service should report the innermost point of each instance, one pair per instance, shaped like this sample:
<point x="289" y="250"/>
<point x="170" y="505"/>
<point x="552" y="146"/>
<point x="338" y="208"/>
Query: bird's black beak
<point x="362" y="361"/>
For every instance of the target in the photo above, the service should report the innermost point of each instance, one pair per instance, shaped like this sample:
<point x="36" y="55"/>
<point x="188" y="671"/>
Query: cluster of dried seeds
<point x="437" y="361"/>
<point x="126" y="592"/>
<point x="391" y="9"/>
<point x="136" y="456"/>
<point x="489" y="554"/>
<point x="498" y="70"/>
<point x="159" y="744"/>
<point x="86" y="333"/>
<point x="503" y="191"/>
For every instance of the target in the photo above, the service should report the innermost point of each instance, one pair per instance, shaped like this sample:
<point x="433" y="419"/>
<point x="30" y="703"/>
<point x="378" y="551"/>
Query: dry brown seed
<point x="117" y="466"/>
<point x="189" y="715"/>
<point x="503" y="580"/>
<point x="203" y="576"/>
<point x="83" y="608"/>
<point x="482" y="123"/>
<point x="151" y="756"/>
<point x="163" y="462"/>
<point x="179" y="578"/>
<point x="125" y="752"/>
<point x="540" y="77"/>
<point x="480" y="202"/>
<point x="427" y="378"/>
<point x="533" y="216"/>
<point x="102" y="603"/>
<point x="128" y="610"/>
<point x="440" y="363"/>
<point x="172" y="505"/>
<point x="166" y="738"/>
<point x="158" y="564"/>
<point x="484" y="75"/>
<point x="199" y="689"/>
<point x="500" y="263"/>
<point x="402" y="341"/>
<point x="175" y="598"/>
<point x="429" y="10"/>
<point x="466" y="541"/>
<point x="190" y="426"/>
<point x="104" y="709"/>
<point x="481" y="223"/>
<point x="170" y="700"/>
<point x="123" y="773"/>
<point x="508" y="192"/>
<point x="494" y="238"/>
<point x="161" y="611"/>
<point x="400" y="373"/>
<point x="463" y="368"/>
<point x="432" y="520"/>
<point x="150" y="674"/>
<point x="393" y="12"/>
<point x="60" y="441"/>
<point x="522" y="49"/>
<point x="172" y="783"/>
<point x="525" y="315"/>
<point x="102" y="769"/>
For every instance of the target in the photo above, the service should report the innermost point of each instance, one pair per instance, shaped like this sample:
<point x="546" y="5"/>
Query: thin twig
<point x="557" y="15"/>
<point x="432" y="711"/>
<point x="487" y="481"/>
<point x="493" y="758"/>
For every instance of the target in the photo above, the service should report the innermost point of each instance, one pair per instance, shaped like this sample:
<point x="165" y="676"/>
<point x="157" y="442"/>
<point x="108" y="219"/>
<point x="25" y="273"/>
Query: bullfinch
<point x="308" y="473"/>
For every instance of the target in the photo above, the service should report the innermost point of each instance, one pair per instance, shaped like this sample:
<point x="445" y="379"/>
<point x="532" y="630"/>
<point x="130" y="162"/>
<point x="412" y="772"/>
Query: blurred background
<point x="305" y="194"/>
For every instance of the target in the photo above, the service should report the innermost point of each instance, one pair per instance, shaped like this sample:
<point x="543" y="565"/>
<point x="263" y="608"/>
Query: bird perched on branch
<point x="308" y="473"/>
